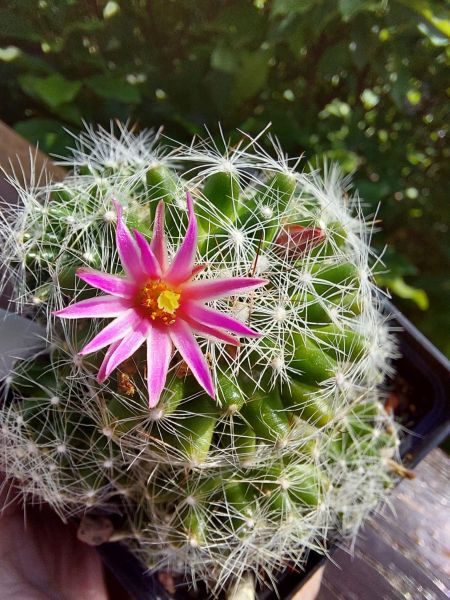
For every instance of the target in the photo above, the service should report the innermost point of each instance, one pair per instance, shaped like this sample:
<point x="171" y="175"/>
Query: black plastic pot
<point x="421" y="389"/>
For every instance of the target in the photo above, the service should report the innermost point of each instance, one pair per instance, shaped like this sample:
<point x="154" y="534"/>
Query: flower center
<point x="159" y="302"/>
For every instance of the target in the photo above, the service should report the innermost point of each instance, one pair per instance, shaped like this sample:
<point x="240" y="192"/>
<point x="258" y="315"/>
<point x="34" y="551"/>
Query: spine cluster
<point x="296" y="448"/>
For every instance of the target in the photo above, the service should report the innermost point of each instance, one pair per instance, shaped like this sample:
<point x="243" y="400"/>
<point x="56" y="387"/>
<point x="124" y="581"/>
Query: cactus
<point x="296" y="446"/>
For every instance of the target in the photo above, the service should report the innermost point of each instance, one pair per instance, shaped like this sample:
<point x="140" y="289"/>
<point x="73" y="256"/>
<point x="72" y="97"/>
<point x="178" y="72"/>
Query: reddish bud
<point x="198" y="269"/>
<point x="295" y="240"/>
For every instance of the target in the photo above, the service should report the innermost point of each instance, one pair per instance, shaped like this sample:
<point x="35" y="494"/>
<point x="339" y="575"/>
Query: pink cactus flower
<point x="160" y="303"/>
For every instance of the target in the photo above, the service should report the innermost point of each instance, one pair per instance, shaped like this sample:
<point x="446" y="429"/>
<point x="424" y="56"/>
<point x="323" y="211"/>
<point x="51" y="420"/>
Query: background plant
<point x="361" y="81"/>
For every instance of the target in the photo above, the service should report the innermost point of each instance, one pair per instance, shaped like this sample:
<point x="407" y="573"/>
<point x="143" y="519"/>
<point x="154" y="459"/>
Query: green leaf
<point x="251" y="76"/>
<point x="242" y="20"/>
<point x="334" y="59"/>
<point x="348" y="161"/>
<point x="337" y="108"/>
<point x="369" y="99"/>
<point x="54" y="90"/>
<point x="440" y="20"/>
<point x="47" y="133"/>
<point x="224" y="59"/>
<point x="400" y="86"/>
<point x="400" y="288"/>
<point x="10" y="53"/>
<point x="111" y="9"/>
<point x="436" y="37"/>
<point x="114" y="87"/>
<point x="365" y="45"/>
<point x="349" y="8"/>
<point x="70" y="113"/>
<point x="287" y="7"/>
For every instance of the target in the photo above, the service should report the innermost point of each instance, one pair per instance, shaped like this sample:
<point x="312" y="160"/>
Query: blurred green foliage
<point x="359" y="81"/>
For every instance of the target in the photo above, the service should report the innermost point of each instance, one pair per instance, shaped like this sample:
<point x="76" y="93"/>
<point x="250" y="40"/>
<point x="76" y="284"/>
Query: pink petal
<point x="111" y="284"/>
<point x="99" y="307"/>
<point x="212" y="331"/>
<point x="101" y="375"/>
<point x="187" y="346"/>
<point x="159" y="353"/>
<point x="129" y="253"/>
<point x="209" y="316"/>
<point x="183" y="262"/>
<point x="128" y="346"/>
<point x="114" y="331"/>
<point x="217" y="288"/>
<point x="158" y="243"/>
<point x="149" y="262"/>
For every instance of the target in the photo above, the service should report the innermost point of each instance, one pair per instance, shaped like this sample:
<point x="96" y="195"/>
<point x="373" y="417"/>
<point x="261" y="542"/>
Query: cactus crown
<point x="294" y="448"/>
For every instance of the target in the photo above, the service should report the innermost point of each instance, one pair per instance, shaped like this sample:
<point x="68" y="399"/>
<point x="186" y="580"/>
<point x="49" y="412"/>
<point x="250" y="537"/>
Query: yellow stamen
<point x="169" y="301"/>
<point x="159" y="302"/>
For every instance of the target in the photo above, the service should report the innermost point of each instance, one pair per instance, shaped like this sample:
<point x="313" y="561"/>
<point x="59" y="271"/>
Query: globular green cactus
<point x="296" y="447"/>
